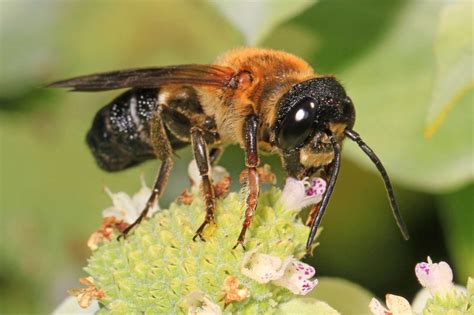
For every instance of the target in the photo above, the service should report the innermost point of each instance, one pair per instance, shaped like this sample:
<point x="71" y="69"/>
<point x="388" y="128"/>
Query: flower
<point x="397" y="305"/>
<point x="439" y="295"/>
<point x="200" y="304"/>
<point x="436" y="277"/>
<point x="298" y="194"/>
<point x="263" y="268"/>
<point x="128" y="209"/>
<point x="296" y="278"/>
<point x="288" y="273"/>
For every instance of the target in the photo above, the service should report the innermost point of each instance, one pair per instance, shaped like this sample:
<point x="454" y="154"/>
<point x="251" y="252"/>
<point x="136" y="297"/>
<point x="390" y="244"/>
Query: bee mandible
<point x="264" y="100"/>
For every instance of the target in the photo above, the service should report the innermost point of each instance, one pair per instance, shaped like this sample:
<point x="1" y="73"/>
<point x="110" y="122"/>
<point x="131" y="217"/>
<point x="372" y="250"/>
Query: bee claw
<point x="241" y="243"/>
<point x="198" y="234"/>
<point x="122" y="235"/>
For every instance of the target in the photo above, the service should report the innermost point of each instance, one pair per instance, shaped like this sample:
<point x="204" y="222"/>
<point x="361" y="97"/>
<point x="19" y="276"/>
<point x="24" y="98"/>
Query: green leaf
<point x="255" y="19"/>
<point x="392" y="86"/>
<point x="305" y="306"/>
<point x="345" y="296"/>
<point x="454" y="51"/>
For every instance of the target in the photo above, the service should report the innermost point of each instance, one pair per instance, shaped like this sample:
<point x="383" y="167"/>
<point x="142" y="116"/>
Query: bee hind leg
<point x="163" y="151"/>
<point x="251" y="161"/>
<point x="201" y="155"/>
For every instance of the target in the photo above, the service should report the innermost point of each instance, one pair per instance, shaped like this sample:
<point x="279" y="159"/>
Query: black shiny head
<point x="310" y="107"/>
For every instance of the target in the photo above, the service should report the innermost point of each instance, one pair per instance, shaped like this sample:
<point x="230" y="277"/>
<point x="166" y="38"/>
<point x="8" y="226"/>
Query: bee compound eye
<point x="297" y="124"/>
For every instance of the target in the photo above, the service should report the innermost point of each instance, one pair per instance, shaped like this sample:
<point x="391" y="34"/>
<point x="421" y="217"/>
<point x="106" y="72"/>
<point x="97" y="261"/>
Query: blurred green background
<point x="404" y="63"/>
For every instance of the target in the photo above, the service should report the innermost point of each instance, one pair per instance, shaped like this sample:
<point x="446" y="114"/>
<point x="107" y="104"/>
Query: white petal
<point x="199" y="304"/>
<point x="70" y="306"/>
<point x="141" y="198"/>
<point x="112" y="212"/>
<point x="124" y="206"/>
<point x="296" y="278"/>
<point x="309" y="201"/>
<point x="293" y="194"/>
<point x="263" y="268"/>
<point x="193" y="173"/>
<point x="298" y="194"/>
<point x="218" y="173"/>
<point x="377" y="308"/>
<point x="398" y="305"/>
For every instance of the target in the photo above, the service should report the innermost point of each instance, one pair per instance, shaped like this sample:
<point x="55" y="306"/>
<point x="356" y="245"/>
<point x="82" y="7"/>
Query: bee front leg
<point x="251" y="161"/>
<point x="163" y="151"/>
<point x="201" y="155"/>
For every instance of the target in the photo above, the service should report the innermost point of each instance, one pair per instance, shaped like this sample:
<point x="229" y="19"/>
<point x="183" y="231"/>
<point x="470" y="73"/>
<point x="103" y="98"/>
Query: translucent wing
<point x="206" y="75"/>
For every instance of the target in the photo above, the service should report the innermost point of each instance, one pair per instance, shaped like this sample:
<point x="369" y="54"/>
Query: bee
<point x="263" y="100"/>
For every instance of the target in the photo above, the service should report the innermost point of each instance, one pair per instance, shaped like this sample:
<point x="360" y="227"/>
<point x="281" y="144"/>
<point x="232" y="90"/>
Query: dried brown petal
<point x="231" y="290"/>
<point x="186" y="197"/>
<point x="86" y="295"/>
<point x="222" y="187"/>
<point x="108" y="226"/>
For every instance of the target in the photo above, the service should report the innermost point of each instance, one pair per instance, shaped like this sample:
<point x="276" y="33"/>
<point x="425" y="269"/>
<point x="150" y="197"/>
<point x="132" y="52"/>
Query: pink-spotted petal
<point x="297" y="278"/>
<point x="298" y="194"/>
<point x="436" y="277"/>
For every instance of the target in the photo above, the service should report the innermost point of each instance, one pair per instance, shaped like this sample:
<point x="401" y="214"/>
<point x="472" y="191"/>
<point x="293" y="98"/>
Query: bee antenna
<point x="336" y="164"/>
<point x="354" y="136"/>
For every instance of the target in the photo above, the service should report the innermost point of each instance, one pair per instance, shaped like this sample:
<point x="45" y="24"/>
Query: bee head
<point x="307" y="114"/>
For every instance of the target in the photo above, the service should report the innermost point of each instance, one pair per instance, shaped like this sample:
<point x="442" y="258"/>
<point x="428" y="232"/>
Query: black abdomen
<point x="119" y="136"/>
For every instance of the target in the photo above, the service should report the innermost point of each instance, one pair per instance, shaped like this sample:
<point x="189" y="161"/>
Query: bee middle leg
<point x="163" y="151"/>
<point x="201" y="155"/>
<point x="251" y="161"/>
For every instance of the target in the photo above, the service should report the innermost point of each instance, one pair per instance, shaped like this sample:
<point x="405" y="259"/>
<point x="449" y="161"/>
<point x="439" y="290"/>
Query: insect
<point x="263" y="100"/>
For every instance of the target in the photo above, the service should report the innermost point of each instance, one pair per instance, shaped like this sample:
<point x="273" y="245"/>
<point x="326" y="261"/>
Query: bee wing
<point x="192" y="74"/>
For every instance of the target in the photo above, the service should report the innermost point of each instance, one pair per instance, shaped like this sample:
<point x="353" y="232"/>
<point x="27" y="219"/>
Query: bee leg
<point x="334" y="171"/>
<point x="163" y="151"/>
<point x="251" y="161"/>
<point x="201" y="156"/>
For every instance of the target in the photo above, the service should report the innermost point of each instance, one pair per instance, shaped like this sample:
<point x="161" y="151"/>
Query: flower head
<point x="298" y="194"/>
<point x="159" y="264"/>
<point x="436" y="277"/>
